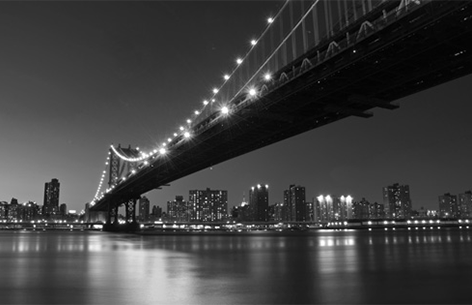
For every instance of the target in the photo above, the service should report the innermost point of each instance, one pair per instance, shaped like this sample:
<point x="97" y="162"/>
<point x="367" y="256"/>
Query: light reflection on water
<point x="318" y="267"/>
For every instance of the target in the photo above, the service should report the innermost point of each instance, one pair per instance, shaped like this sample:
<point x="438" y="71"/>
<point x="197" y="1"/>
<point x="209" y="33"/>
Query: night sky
<point x="76" y="77"/>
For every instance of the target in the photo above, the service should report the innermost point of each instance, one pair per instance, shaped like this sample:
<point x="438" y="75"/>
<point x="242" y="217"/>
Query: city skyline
<point x="69" y="92"/>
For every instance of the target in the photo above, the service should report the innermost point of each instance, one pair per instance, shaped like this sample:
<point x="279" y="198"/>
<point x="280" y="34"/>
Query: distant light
<point x="175" y="134"/>
<point x="213" y="100"/>
<point x="187" y="134"/>
<point x="205" y="102"/>
<point x="181" y="128"/>
<point x="133" y="171"/>
<point x="226" y="76"/>
<point x="197" y="112"/>
<point x="162" y="151"/>
<point x="169" y="139"/>
<point x="189" y="121"/>
<point x="239" y="61"/>
<point x="258" y="186"/>
<point x="164" y="144"/>
<point x="215" y="90"/>
<point x="270" y="20"/>
<point x="224" y="110"/>
<point x="267" y="76"/>
<point x="137" y="148"/>
<point x="252" y="92"/>
<point x="253" y="42"/>
<point x="267" y="186"/>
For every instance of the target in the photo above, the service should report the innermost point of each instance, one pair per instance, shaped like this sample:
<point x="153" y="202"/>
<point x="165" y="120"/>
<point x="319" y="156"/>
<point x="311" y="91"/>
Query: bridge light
<point x="267" y="76"/>
<point x="169" y="140"/>
<point x="181" y="128"/>
<point x="189" y="121"/>
<point x="187" y="134"/>
<point x="253" y="42"/>
<point x="270" y="20"/>
<point x="133" y="171"/>
<point x="205" y="102"/>
<point x="213" y="100"/>
<point x="146" y="163"/>
<point x="239" y="61"/>
<point x="197" y="112"/>
<point x="226" y="76"/>
<point x="224" y="110"/>
<point x="252" y="92"/>
<point x="175" y="134"/>
<point x="164" y="144"/>
<point x="215" y="90"/>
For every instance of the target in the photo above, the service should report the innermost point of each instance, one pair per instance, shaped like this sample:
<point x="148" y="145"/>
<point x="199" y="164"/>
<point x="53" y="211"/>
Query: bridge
<point x="316" y="62"/>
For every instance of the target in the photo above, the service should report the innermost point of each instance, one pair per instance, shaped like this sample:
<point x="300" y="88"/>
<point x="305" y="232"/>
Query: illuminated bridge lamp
<point x="226" y="76"/>
<point x="253" y="42"/>
<point x="239" y="61"/>
<point x="187" y="134"/>
<point x="205" y="102"/>
<point x="267" y="76"/>
<point x="270" y="20"/>
<point x="162" y="151"/>
<point x="252" y="92"/>
<point x="224" y="110"/>
<point x="215" y="90"/>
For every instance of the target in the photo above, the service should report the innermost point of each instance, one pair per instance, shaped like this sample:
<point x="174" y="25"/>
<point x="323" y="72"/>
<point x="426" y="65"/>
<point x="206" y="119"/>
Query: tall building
<point x="208" y="205"/>
<point x="156" y="212"/>
<point x="177" y="210"/>
<point x="448" y="207"/>
<point x="465" y="204"/>
<point x="51" y="197"/>
<point x="259" y="202"/>
<point x="144" y="209"/>
<point x="327" y="208"/>
<point x="294" y="200"/>
<point x="397" y="201"/>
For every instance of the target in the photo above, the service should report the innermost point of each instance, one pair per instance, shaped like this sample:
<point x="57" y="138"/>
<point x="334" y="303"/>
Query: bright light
<point x="189" y="121"/>
<point x="270" y="20"/>
<point x="213" y="100"/>
<point x="252" y="92"/>
<point x="175" y="134"/>
<point x="215" y="90"/>
<point x="181" y="128"/>
<point x="162" y="151"/>
<point x="267" y="76"/>
<point x="197" y="112"/>
<point x="169" y="139"/>
<point x="224" y="110"/>
<point x="187" y="134"/>
<point x="205" y="102"/>
<point x="226" y="76"/>
<point x="253" y="42"/>
<point x="239" y="61"/>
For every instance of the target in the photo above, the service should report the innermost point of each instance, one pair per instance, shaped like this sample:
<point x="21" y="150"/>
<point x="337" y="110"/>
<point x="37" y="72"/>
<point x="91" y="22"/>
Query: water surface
<point x="424" y="266"/>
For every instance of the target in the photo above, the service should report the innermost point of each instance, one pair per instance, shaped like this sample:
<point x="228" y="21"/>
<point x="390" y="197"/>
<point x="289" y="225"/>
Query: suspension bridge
<point x="315" y="62"/>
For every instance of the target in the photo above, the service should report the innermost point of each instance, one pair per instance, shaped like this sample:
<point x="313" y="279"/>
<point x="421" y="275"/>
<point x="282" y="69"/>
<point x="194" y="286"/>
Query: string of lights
<point x="186" y="132"/>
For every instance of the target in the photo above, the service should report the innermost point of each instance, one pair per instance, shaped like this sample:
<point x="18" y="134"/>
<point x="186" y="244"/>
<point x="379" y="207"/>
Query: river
<point x="317" y="267"/>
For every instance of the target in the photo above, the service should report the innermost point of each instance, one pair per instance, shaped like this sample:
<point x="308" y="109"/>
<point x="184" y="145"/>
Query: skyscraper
<point x="144" y="209"/>
<point x="294" y="199"/>
<point x="177" y="210"/>
<point x="208" y="205"/>
<point x="465" y="204"/>
<point x="259" y="202"/>
<point x="397" y="202"/>
<point x="448" y="207"/>
<point x="51" y="197"/>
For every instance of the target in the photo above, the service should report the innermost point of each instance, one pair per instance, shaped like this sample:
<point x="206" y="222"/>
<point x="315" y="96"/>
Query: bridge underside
<point x="430" y="45"/>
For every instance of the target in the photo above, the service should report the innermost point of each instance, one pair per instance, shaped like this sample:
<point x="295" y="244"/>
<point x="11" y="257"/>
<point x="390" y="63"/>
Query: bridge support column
<point x="131" y="211"/>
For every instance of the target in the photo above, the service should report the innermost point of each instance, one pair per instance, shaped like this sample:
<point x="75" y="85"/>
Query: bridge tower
<point x="119" y="167"/>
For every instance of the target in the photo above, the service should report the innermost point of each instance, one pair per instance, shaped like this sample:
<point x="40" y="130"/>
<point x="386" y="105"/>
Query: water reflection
<point x="317" y="267"/>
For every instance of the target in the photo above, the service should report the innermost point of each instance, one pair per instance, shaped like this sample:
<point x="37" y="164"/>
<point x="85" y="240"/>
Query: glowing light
<point x="215" y="90"/>
<point x="175" y="134"/>
<point x="267" y="76"/>
<point x="169" y="140"/>
<point x="187" y="134"/>
<point x="197" y="112"/>
<point x="253" y="42"/>
<point x="239" y="61"/>
<point x="162" y="151"/>
<point x="270" y="20"/>
<point x="224" y="110"/>
<point x="226" y="77"/>
<point x="213" y="100"/>
<point x="252" y="92"/>
<point x="189" y="121"/>
<point x="181" y="128"/>
<point x="205" y="102"/>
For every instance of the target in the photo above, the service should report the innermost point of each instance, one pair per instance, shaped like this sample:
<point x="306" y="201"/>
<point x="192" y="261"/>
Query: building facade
<point x="465" y="204"/>
<point x="144" y="206"/>
<point x="448" y="207"/>
<point x="177" y="210"/>
<point x="397" y="201"/>
<point x="51" y="198"/>
<point x="259" y="202"/>
<point x="208" y="205"/>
